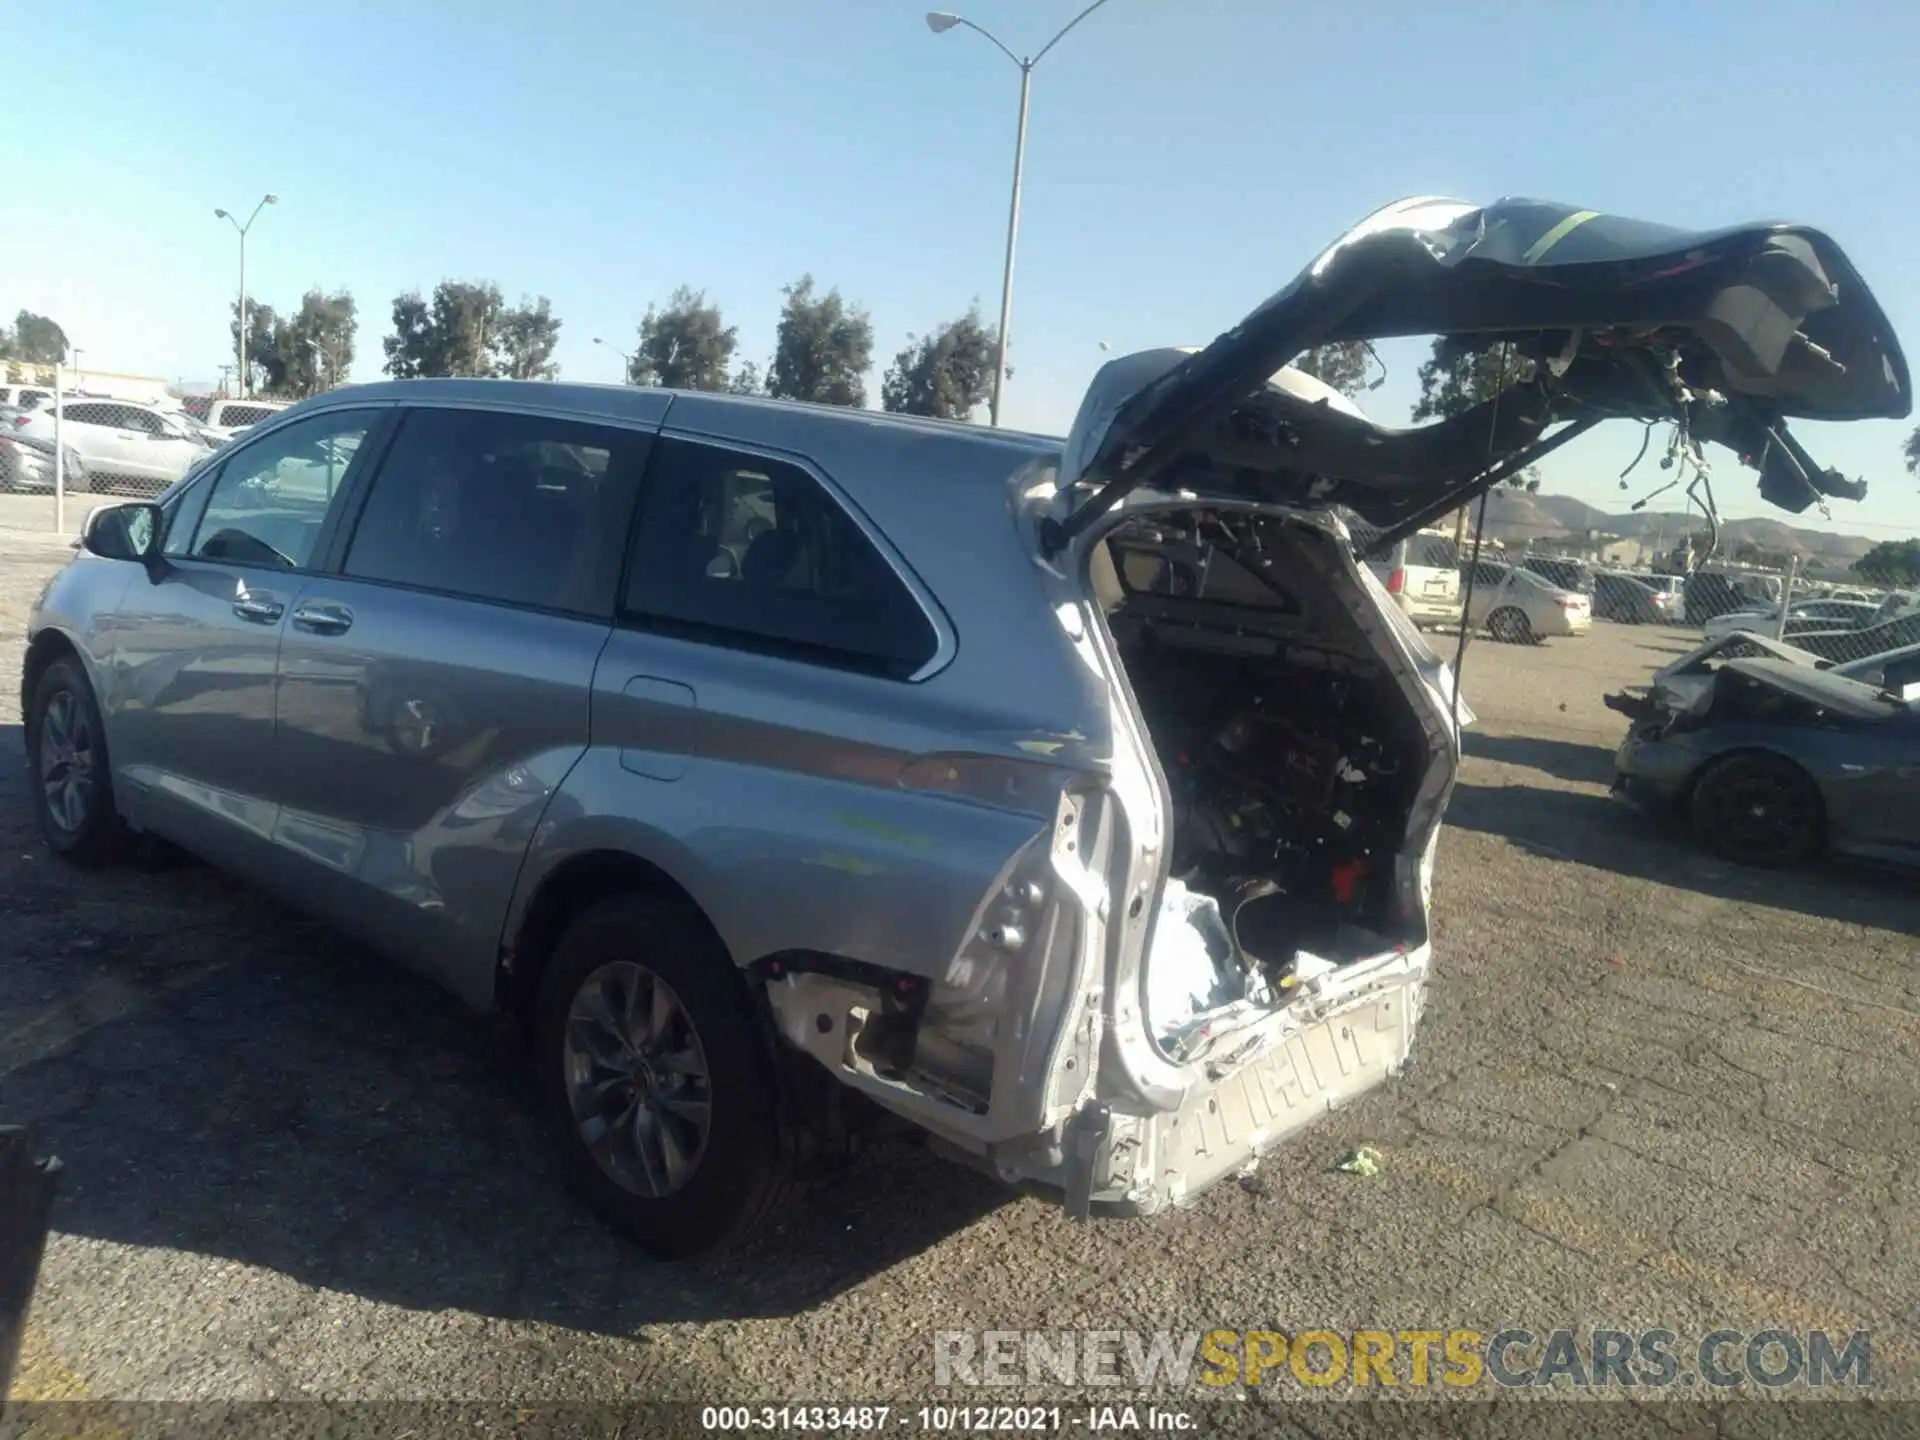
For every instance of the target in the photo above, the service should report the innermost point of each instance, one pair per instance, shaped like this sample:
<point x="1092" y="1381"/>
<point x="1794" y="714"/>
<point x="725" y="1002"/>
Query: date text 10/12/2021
<point x="949" y="1419"/>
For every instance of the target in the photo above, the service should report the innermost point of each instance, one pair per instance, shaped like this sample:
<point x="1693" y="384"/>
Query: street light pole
<point x="265" y="200"/>
<point x="941" y="21"/>
<point x="1013" y="236"/>
<point x="626" y="374"/>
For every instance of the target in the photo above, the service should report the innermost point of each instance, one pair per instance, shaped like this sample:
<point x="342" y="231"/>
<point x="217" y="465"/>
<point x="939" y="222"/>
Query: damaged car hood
<point x="1822" y="689"/>
<point x="1688" y="687"/>
<point x="1729" y="332"/>
<point x="1684" y="686"/>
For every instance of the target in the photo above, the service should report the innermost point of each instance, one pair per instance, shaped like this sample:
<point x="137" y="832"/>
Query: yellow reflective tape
<point x="1558" y="233"/>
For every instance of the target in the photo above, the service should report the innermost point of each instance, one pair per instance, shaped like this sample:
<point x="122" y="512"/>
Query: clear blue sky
<point x="1185" y="159"/>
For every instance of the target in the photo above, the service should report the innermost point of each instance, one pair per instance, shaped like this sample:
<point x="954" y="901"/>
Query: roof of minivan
<point x="619" y="401"/>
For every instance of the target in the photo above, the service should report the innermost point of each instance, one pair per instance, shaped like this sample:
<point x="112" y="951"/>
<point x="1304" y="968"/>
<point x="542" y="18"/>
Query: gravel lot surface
<point x="1649" y="1090"/>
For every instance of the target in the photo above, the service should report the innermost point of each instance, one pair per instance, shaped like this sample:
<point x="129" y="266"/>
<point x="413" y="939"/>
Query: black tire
<point x="1759" y="810"/>
<point x="1510" y="626"/>
<point x="741" y="1169"/>
<point x="66" y="742"/>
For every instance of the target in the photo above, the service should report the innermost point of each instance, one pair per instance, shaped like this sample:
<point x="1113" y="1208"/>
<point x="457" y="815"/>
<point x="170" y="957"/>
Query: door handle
<point x="259" y="607"/>
<point x="319" y="617"/>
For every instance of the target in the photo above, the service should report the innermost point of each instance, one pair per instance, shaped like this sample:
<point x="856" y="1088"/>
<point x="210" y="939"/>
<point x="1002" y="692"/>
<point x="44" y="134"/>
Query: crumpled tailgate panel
<point x="1267" y="1101"/>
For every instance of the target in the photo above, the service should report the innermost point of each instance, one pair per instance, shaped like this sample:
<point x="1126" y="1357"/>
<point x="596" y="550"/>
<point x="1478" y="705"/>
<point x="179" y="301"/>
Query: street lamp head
<point x="598" y="341"/>
<point x="221" y="215"/>
<point x="941" y="21"/>
<point x="271" y="200"/>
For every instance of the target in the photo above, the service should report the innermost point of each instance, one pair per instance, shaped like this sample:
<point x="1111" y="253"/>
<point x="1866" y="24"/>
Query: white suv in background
<point x="224" y="419"/>
<point x="25" y="397"/>
<point x="145" y="446"/>
<point x="1423" y="576"/>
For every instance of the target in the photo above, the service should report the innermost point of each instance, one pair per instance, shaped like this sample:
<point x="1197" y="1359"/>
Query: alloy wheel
<point x="637" y="1079"/>
<point x="1759" y="814"/>
<point x="67" y="754"/>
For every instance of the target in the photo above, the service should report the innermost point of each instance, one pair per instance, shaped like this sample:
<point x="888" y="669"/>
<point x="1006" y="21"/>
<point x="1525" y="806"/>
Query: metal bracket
<point x="1086" y="1134"/>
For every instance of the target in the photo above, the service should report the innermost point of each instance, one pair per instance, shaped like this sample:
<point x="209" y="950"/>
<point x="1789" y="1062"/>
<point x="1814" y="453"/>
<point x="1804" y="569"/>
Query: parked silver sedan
<point x="26" y="462"/>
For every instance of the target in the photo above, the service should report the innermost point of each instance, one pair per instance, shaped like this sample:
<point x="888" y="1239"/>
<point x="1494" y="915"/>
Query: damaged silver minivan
<point x="1074" y="802"/>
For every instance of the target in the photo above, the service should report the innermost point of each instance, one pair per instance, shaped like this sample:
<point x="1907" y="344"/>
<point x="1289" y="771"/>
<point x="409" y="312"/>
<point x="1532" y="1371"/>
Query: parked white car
<point x="1520" y="608"/>
<point x="146" y="446"/>
<point x="1806" y="615"/>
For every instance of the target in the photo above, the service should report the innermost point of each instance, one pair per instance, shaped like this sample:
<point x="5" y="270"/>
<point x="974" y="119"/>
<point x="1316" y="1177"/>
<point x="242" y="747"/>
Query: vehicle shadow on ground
<point x="1565" y="759"/>
<point x="1600" y="831"/>
<point x="220" y="1076"/>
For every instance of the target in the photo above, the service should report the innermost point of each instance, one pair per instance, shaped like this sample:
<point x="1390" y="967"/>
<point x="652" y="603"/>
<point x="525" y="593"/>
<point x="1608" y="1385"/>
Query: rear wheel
<point x="72" y="782"/>
<point x="1510" y="626"/>
<point x="1757" y="810"/>
<point x="654" y="1081"/>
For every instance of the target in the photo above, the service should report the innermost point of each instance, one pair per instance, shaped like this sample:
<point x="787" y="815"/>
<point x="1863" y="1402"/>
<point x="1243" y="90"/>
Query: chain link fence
<point x="1747" y="610"/>
<point x="71" y="436"/>
<point x="89" y="436"/>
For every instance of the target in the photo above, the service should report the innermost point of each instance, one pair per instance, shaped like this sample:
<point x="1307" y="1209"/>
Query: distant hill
<point x="1516" y="517"/>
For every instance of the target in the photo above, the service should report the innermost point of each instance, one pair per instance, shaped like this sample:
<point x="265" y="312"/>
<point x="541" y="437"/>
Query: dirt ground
<point x="1649" y="1090"/>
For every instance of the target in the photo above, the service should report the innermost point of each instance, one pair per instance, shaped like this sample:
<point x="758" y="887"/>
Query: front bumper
<point x="1650" y="770"/>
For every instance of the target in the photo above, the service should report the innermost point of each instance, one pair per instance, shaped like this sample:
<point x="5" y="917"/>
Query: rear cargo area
<point x="1292" y="752"/>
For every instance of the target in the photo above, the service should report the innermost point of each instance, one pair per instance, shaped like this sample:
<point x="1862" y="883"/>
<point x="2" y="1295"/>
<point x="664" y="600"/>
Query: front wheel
<point x="73" y="784"/>
<point x="654" y="1080"/>
<point x="1759" y="810"/>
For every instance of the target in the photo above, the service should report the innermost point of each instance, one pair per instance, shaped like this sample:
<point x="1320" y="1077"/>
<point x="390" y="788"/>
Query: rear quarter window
<point x="743" y="550"/>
